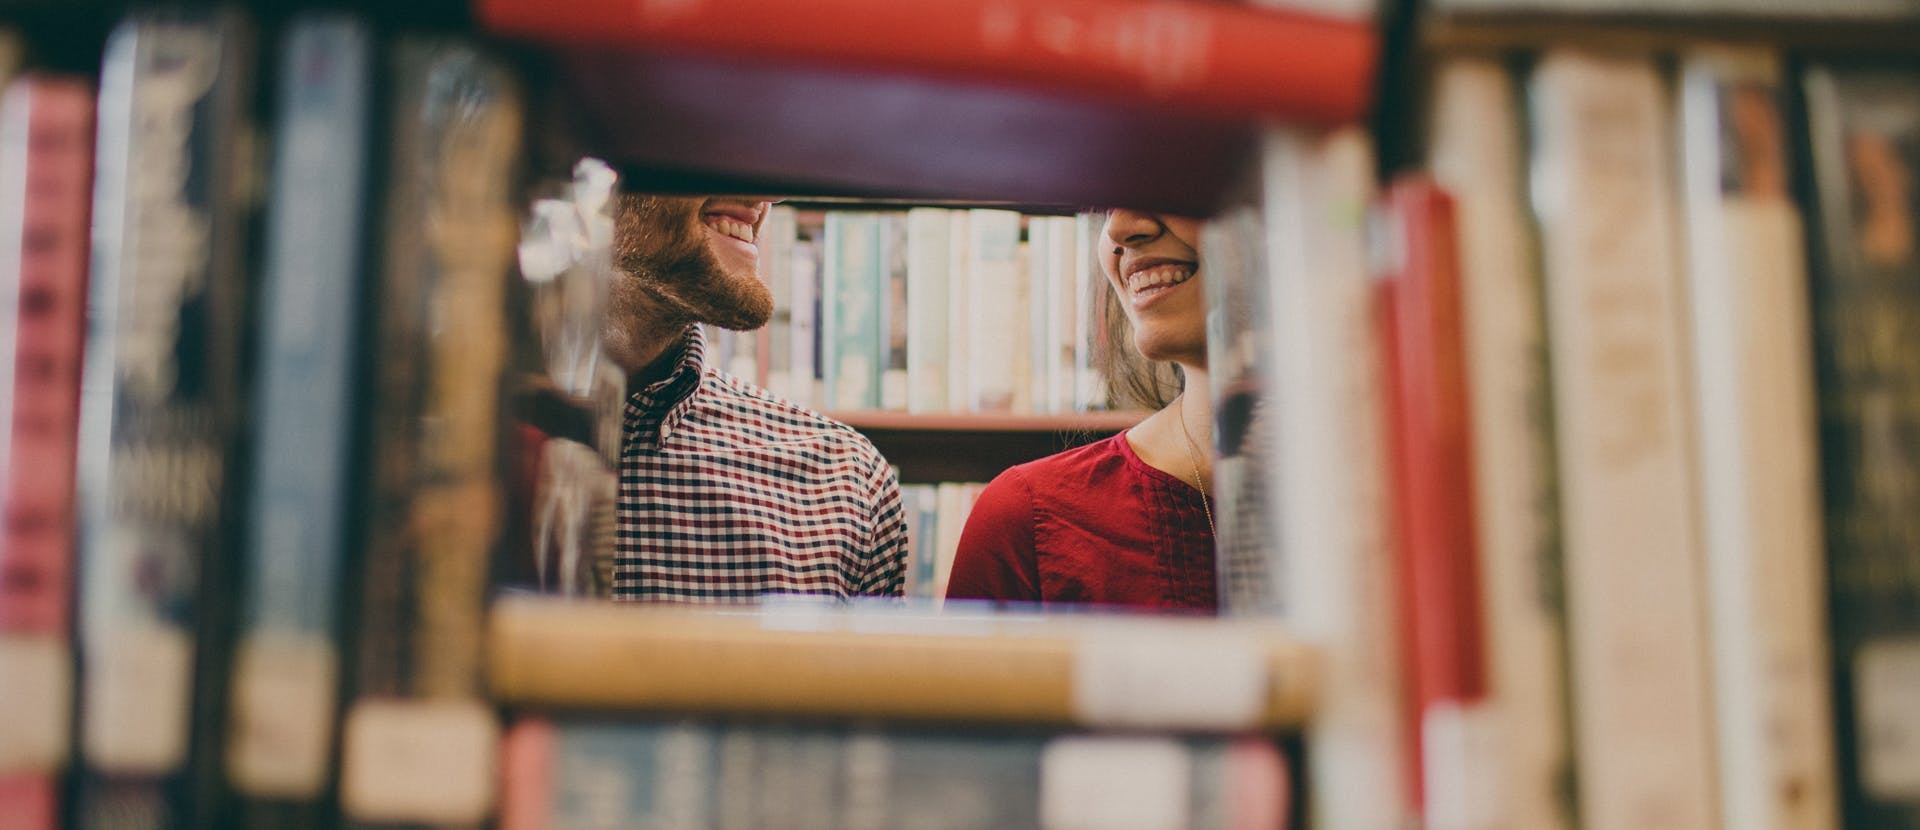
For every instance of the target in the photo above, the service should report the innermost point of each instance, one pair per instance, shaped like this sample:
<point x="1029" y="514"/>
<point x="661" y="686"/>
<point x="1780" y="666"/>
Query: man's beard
<point x="661" y="250"/>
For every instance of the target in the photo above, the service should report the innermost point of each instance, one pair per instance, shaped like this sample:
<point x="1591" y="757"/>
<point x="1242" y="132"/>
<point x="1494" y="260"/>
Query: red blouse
<point x="1091" y="525"/>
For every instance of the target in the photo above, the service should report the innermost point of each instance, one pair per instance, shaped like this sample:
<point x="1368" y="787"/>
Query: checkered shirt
<point x="728" y="493"/>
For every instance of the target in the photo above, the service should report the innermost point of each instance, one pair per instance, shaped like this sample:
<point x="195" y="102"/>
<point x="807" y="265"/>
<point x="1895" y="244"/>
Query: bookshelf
<point x="959" y="447"/>
<point x="676" y="121"/>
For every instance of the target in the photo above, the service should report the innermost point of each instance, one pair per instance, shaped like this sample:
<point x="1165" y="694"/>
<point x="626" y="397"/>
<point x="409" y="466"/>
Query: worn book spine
<point x="1865" y="141"/>
<point x="577" y="773"/>
<point x="1439" y="561"/>
<point x="997" y="326"/>
<point x="46" y="165"/>
<point x="1333" y="560"/>
<point x="853" y="283"/>
<point x="1096" y="670"/>
<point x="419" y="735"/>
<point x="162" y="422"/>
<point x="928" y="272"/>
<point x="894" y="315"/>
<point x="1476" y="153"/>
<point x="1201" y="57"/>
<point x="777" y="238"/>
<point x="1614" y="287"/>
<point x="1757" y="446"/>
<point x="286" y="670"/>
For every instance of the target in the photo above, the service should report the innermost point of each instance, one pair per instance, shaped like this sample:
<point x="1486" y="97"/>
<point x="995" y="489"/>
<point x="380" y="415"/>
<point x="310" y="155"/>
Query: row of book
<point x="873" y="310"/>
<point x="1582" y="454"/>
<point x="268" y="418"/>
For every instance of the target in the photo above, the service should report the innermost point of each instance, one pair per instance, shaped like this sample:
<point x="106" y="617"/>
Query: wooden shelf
<point x="966" y="447"/>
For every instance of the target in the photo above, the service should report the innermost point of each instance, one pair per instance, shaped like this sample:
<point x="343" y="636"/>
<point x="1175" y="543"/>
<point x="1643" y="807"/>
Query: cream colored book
<point x="1604" y="188"/>
<point x="1753" y="384"/>
<point x="1476" y="153"/>
<point x="1334" y="572"/>
<point x="817" y="660"/>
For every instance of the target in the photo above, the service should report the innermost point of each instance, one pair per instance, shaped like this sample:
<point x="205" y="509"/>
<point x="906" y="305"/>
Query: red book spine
<point x="46" y="163"/>
<point x="1211" y="57"/>
<point x="1433" y="471"/>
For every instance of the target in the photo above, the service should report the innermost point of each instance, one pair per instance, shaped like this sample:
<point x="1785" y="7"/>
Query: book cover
<point x="1065" y="269"/>
<point x="1334" y="582"/>
<point x="1195" y="56"/>
<point x="1476" y="152"/>
<point x="998" y="328"/>
<point x="583" y="773"/>
<point x="1757" y="446"/>
<point x="806" y="324"/>
<point x="286" y="671"/>
<point x="959" y="311"/>
<point x="1865" y="140"/>
<point x="1636" y="614"/>
<point x="887" y="662"/>
<point x="852" y="282"/>
<point x="1430" y="444"/>
<point x="46" y="165"/>
<point x="419" y="736"/>
<point x="929" y="263"/>
<point x="162" y="439"/>
<point x="778" y="236"/>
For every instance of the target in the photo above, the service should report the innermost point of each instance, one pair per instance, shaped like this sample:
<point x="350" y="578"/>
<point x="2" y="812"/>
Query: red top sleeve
<point x="996" y="559"/>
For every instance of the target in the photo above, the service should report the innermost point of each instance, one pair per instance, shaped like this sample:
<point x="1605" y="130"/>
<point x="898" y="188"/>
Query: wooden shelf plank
<point x="967" y="447"/>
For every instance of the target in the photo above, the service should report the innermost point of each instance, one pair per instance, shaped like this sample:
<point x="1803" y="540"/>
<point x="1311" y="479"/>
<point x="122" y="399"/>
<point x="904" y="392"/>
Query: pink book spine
<point x="50" y="131"/>
<point x="46" y="163"/>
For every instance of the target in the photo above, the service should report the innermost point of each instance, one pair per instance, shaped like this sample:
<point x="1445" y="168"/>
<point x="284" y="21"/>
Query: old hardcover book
<point x="812" y="660"/>
<point x="419" y="735"/>
<point x="1614" y="288"/>
<point x="1757" y="446"/>
<point x="286" y="667"/>
<point x="46" y="167"/>
<point x="1476" y="153"/>
<point x="1865" y="129"/>
<point x="1196" y="56"/>
<point x="162" y="420"/>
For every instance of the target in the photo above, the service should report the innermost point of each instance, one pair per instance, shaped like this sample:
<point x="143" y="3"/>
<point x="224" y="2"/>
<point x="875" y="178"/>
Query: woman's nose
<point x="1133" y="227"/>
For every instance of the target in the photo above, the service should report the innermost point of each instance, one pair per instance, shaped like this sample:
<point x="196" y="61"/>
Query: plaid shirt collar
<point x="654" y="411"/>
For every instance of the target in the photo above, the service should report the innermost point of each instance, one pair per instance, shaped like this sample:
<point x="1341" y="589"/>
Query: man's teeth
<point x="1164" y="275"/>
<point x="731" y="227"/>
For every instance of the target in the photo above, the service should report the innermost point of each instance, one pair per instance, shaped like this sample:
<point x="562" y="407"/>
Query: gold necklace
<point x="1193" y="455"/>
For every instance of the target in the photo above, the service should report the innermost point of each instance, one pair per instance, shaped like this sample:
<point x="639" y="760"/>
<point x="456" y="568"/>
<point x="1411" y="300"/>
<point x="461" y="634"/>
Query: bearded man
<point x="728" y="493"/>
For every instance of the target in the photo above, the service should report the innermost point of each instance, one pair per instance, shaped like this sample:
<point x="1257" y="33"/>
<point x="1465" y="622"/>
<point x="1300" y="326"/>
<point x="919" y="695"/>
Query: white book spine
<point x="1089" y="391"/>
<point x="1476" y="154"/>
<point x="1336" y="564"/>
<point x="777" y="237"/>
<point x="1041" y="245"/>
<point x="806" y="323"/>
<point x="996" y="284"/>
<point x="959" y="322"/>
<point x="1756" y="425"/>
<point x="1603" y="182"/>
<point x="929" y="260"/>
<point x="1064" y="305"/>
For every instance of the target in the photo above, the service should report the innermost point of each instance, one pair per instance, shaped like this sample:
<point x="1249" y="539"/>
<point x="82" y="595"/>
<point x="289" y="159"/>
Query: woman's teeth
<point x="1159" y="278"/>
<point x="731" y="227"/>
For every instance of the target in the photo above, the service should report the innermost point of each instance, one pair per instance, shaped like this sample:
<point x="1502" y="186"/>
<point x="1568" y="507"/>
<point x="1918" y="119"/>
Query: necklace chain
<point x="1193" y="455"/>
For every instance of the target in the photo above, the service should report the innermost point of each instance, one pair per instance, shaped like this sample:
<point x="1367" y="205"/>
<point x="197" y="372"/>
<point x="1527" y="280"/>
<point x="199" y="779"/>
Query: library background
<point x="1556" y="353"/>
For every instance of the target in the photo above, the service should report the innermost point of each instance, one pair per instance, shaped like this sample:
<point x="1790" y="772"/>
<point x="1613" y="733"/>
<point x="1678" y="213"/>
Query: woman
<point x="1126" y="521"/>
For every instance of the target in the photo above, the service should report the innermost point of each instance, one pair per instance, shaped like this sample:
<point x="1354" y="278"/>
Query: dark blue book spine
<point x="285" y="686"/>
